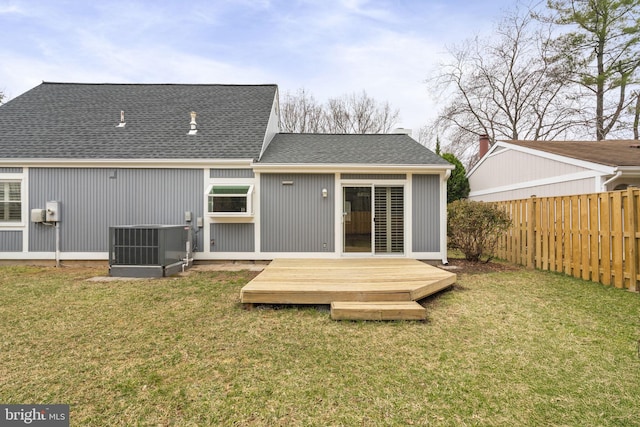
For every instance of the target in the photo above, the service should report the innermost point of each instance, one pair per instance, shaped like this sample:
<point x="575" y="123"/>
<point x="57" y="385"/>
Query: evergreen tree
<point x="601" y="51"/>
<point x="458" y="184"/>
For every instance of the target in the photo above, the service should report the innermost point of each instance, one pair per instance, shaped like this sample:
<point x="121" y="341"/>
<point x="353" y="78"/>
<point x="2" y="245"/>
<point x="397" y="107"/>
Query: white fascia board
<point x="128" y="163"/>
<point x="273" y="124"/>
<point x="234" y="164"/>
<point x="604" y="169"/>
<point x="349" y="168"/>
<point x="538" y="182"/>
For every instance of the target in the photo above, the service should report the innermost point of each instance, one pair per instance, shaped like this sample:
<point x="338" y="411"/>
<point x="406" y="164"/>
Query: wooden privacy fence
<point x="591" y="236"/>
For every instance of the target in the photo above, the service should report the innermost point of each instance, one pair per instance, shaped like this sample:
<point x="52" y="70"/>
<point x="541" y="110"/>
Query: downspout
<point x="613" y="178"/>
<point x="57" y="226"/>
<point x="443" y="215"/>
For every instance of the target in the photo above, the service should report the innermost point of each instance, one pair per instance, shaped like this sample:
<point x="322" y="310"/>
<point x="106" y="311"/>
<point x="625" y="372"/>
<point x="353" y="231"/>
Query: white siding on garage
<point x="582" y="186"/>
<point x="513" y="167"/>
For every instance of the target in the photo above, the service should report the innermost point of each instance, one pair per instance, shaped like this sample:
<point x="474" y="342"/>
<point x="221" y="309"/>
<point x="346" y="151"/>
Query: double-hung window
<point x="230" y="200"/>
<point x="10" y="202"/>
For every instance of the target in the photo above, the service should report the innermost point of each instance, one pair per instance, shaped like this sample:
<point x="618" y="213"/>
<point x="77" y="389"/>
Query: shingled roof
<point x="608" y="153"/>
<point x="78" y="121"/>
<point x="387" y="149"/>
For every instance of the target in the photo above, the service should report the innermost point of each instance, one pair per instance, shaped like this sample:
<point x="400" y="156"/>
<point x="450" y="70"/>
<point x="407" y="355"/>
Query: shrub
<point x="474" y="228"/>
<point x="458" y="184"/>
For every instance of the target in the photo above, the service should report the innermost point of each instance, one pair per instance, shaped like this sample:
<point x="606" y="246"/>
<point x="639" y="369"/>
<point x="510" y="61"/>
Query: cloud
<point x="329" y="47"/>
<point x="390" y="67"/>
<point x="10" y="9"/>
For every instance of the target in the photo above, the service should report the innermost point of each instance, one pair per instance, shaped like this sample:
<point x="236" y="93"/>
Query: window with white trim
<point x="230" y="200"/>
<point x="10" y="201"/>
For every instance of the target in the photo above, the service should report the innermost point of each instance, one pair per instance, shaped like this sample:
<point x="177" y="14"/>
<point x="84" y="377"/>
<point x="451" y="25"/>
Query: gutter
<point x="613" y="178"/>
<point x="349" y="167"/>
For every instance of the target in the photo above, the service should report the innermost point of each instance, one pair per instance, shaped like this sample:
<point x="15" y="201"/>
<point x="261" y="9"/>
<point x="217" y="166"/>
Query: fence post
<point x="617" y="240"/>
<point x="531" y="232"/>
<point x="631" y="231"/>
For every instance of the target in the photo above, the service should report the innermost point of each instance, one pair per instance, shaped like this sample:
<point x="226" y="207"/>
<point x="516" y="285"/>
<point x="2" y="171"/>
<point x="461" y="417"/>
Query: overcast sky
<point x="328" y="47"/>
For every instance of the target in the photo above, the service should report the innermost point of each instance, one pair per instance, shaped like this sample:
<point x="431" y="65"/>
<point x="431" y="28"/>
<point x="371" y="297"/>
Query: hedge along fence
<point x="591" y="236"/>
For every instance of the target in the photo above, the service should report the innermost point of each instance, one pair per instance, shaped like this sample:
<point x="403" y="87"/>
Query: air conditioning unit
<point x="148" y="250"/>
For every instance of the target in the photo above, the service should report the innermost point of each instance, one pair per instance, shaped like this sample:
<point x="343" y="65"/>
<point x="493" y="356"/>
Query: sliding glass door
<point x="373" y="219"/>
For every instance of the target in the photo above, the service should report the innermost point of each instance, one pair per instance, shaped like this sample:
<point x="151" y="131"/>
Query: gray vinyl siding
<point x="426" y="213"/>
<point x="10" y="241"/>
<point x="94" y="199"/>
<point x="10" y="170"/>
<point x="227" y="237"/>
<point x="296" y="218"/>
<point x="382" y="176"/>
<point x="231" y="173"/>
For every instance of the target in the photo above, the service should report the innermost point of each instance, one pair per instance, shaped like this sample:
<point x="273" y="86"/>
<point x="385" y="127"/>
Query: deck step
<point x="386" y="310"/>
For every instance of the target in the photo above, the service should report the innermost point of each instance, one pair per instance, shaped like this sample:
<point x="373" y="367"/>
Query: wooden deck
<point x="397" y="310"/>
<point x="323" y="281"/>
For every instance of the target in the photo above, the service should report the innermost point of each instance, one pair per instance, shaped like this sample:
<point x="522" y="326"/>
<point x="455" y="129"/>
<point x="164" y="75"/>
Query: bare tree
<point x="601" y="53"/>
<point x="301" y="113"/>
<point x="505" y="87"/>
<point x="359" y="113"/>
<point x="352" y="113"/>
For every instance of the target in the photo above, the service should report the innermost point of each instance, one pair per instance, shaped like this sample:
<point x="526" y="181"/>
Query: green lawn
<point x="507" y="348"/>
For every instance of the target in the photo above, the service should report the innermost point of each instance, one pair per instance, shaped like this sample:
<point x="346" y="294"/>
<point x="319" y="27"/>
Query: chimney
<point x="402" y="131"/>
<point x="484" y="145"/>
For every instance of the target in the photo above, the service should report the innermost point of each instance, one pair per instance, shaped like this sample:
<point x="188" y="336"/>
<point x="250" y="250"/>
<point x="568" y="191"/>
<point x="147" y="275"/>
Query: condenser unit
<point x="148" y="250"/>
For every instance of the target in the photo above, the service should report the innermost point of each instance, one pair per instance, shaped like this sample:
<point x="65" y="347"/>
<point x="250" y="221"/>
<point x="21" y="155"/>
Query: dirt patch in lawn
<point x="462" y="266"/>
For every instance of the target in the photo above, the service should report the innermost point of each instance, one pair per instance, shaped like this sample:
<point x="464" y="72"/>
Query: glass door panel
<point x="389" y="220"/>
<point x="357" y="219"/>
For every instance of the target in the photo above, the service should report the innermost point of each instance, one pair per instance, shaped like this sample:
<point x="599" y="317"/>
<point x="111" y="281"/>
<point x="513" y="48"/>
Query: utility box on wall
<point x="53" y="211"/>
<point x="38" y="215"/>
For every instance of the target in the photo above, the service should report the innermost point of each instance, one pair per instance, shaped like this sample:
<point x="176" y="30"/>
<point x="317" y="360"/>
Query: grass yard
<point x="502" y="348"/>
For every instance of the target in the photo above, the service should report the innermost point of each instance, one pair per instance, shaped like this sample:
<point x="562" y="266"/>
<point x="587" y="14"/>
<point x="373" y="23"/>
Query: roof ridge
<point x="158" y="84"/>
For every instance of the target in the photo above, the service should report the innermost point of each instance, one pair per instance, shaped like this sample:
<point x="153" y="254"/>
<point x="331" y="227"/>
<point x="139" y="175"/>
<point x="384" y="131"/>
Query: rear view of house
<point x="77" y="160"/>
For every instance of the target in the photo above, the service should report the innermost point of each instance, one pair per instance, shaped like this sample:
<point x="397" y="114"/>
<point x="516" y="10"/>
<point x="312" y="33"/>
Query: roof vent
<point x="122" y="122"/>
<point x="193" y="124"/>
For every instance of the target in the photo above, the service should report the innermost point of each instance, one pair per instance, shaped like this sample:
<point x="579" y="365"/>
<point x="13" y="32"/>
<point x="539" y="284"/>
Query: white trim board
<point x="537" y="183"/>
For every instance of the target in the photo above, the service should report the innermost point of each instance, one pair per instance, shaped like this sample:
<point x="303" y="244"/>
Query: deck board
<point x="322" y="281"/>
